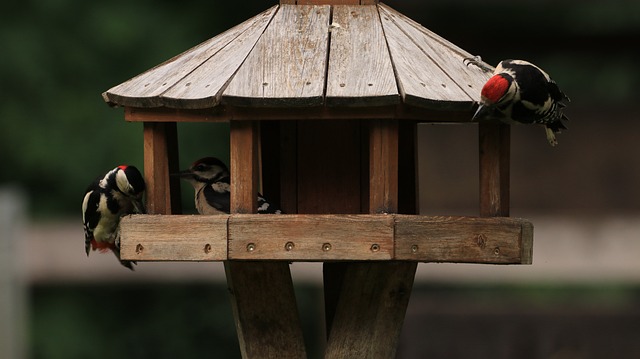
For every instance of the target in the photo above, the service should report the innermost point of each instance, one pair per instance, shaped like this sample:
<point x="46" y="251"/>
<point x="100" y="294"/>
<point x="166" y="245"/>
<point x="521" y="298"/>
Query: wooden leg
<point x="374" y="296"/>
<point x="371" y="310"/>
<point x="265" y="310"/>
<point x="160" y="160"/>
<point x="262" y="296"/>
<point x="494" y="143"/>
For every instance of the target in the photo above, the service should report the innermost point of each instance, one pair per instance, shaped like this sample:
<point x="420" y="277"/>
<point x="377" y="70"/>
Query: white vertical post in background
<point x="12" y="284"/>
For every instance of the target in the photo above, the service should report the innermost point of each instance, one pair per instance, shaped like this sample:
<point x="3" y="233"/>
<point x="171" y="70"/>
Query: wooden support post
<point x="383" y="166"/>
<point x="244" y="166"/>
<point x="494" y="143"/>
<point x="160" y="160"/>
<point x="374" y="296"/>
<point x="262" y="296"/>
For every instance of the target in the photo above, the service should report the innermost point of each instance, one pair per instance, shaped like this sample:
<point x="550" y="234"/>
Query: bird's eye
<point x="200" y="168"/>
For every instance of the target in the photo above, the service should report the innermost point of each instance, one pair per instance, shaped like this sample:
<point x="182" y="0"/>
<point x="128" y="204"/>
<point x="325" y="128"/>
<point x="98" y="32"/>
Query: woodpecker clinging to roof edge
<point x="211" y="180"/>
<point x="110" y="197"/>
<point x="521" y="92"/>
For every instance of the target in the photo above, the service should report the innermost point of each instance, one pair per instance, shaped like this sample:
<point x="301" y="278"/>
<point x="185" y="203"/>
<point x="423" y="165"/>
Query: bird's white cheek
<point x="123" y="183"/>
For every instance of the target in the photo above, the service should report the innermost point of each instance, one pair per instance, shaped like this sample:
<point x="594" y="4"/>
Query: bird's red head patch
<point x="496" y="87"/>
<point x="123" y="167"/>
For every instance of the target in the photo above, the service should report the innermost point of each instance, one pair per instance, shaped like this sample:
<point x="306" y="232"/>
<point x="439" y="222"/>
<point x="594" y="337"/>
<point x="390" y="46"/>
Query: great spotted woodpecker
<point x="521" y="92"/>
<point x="211" y="180"/>
<point x="110" y="197"/>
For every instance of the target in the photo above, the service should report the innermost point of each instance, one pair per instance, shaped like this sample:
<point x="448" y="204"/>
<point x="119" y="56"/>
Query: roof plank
<point x="360" y="72"/>
<point x="422" y="81"/>
<point x="287" y="67"/>
<point x="449" y="57"/>
<point x="145" y="90"/>
<point x="202" y="88"/>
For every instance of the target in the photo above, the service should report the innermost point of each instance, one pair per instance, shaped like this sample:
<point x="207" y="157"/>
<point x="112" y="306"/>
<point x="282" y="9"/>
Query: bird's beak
<point x="182" y="174"/>
<point x="481" y="113"/>
<point x="138" y="207"/>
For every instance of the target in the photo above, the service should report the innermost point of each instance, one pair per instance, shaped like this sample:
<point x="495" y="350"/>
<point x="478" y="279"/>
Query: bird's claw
<point x="551" y="137"/>
<point x="477" y="61"/>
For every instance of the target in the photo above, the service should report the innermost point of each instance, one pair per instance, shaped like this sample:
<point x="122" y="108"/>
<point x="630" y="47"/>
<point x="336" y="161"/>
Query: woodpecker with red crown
<point x="110" y="197"/>
<point x="521" y="92"/>
<point x="211" y="180"/>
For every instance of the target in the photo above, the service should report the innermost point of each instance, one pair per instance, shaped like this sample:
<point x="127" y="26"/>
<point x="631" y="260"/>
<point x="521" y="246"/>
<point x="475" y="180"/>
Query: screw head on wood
<point x="375" y="247"/>
<point x="289" y="246"/>
<point x="326" y="247"/>
<point x="139" y="248"/>
<point x="207" y="248"/>
<point x="251" y="247"/>
<point x="414" y="249"/>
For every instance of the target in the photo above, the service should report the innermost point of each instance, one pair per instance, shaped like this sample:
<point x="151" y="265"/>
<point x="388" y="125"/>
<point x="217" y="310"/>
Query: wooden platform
<point x="310" y="238"/>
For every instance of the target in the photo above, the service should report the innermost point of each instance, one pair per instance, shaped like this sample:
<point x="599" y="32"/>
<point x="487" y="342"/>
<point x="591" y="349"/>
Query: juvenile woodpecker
<point x="211" y="180"/>
<point x="110" y="197"/>
<point x="521" y="92"/>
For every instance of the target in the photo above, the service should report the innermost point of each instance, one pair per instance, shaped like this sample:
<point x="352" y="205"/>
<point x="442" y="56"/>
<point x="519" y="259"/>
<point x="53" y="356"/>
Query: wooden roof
<point x="293" y="56"/>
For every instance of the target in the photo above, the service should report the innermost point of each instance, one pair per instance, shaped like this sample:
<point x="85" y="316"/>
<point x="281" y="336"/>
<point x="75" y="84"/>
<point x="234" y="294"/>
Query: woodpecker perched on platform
<point x="211" y="180"/>
<point x="110" y="197"/>
<point x="521" y="92"/>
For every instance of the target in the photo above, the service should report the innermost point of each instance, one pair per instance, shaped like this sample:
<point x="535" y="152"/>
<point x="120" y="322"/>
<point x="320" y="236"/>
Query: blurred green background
<point x="57" y="134"/>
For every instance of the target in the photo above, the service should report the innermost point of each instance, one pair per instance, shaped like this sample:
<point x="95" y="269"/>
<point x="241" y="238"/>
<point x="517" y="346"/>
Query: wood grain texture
<point x="281" y="58"/>
<point x="383" y="166"/>
<point x="244" y="166"/>
<point x="146" y="89"/>
<point x="260" y="292"/>
<point x="360" y="72"/>
<point x="228" y="113"/>
<point x="264" y="306"/>
<point x="464" y="239"/>
<point x="310" y="238"/>
<point x="449" y="57"/>
<point x="527" y="243"/>
<point x="422" y="81"/>
<point x="202" y="87"/>
<point x="437" y="239"/>
<point x="371" y="310"/>
<point x="160" y="146"/>
<point x="287" y="67"/>
<point x="494" y="157"/>
<point x="164" y="238"/>
<point x="328" y="2"/>
<point x="370" y="328"/>
<point x="328" y="173"/>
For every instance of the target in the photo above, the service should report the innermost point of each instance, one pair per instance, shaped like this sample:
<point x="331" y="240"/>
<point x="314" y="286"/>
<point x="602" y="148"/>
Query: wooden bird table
<point x="323" y="100"/>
